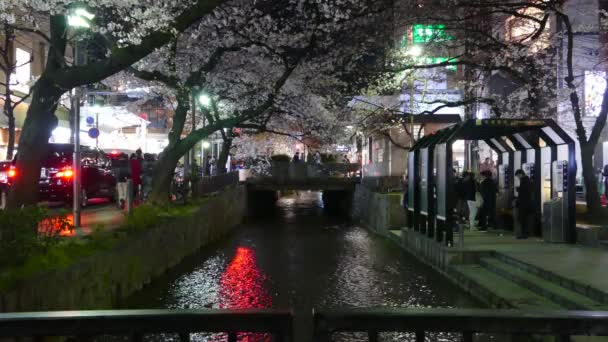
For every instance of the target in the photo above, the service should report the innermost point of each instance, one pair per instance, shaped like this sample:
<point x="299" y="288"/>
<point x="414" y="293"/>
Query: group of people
<point x="477" y="197"/>
<point x="315" y="158"/>
<point x="137" y="167"/>
<point x="477" y="200"/>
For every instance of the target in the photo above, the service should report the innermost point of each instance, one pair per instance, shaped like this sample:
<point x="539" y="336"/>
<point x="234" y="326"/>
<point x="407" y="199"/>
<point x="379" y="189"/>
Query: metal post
<point x="97" y="126"/>
<point x="76" y="167"/>
<point x="412" y="81"/>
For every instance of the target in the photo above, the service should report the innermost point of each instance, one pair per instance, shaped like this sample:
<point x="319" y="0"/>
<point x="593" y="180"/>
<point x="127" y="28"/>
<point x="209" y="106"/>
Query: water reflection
<point x="242" y="285"/>
<point x="299" y="258"/>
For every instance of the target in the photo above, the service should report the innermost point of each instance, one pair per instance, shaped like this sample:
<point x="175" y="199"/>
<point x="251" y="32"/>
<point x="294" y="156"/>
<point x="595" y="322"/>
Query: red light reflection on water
<point x="242" y="286"/>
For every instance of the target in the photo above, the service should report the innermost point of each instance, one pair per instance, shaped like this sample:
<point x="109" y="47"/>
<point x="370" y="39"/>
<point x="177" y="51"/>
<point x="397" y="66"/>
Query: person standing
<point x="468" y="193"/>
<point x="135" y="167"/>
<point x="296" y="157"/>
<point x="213" y="166"/>
<point x="207" y="166"/>
<point x="523" y="203"/>
<point x="488" y="190"/>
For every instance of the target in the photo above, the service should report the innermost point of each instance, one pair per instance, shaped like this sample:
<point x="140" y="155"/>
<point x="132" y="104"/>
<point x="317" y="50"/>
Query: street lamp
<point x="206" y="144"/>
<point x="204" y="100"/>
<point x="78" y="18"/>
<point x="414" y="51"/>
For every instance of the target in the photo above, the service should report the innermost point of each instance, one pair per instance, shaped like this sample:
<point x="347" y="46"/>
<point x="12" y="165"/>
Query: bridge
<point x="302" y="176"/>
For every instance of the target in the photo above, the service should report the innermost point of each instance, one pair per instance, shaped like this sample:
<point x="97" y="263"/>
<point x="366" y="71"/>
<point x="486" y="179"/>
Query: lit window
<point x="521" y="29"/>
<point x="595" y="85"/>
<point x="23" y="72"/>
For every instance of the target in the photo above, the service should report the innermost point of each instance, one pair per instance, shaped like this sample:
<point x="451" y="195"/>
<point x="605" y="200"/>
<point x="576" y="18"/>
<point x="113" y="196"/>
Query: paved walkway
<point x="586" y="265"/>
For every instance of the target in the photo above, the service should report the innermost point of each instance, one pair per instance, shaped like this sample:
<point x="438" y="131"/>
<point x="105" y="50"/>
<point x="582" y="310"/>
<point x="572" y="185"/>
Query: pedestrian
<point x="296" y="157"/>
<point x="345" y="159"/>
<point x="523" y="203"/>
<point x="147" y="171"/>
<point x="488" y="190"/>
<point x="207" y="166"/>
<point x="468" y="191"/>
<point x="135" y="167"/>
<point x="213" y="166"/>
<point x="318" y="158"/>
<point x="121" y="168"/>
<point x="461" y="203"/>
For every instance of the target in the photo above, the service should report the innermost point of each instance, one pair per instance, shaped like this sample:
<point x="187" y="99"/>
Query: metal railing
<point x="86" y="325"/>
<point x="421" y="323"/>
<point x="209" y="184"/>
<point x="464" y="322"/>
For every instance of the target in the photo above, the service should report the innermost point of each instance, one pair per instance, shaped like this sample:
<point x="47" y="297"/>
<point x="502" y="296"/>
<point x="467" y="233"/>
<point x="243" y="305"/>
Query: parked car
<point x="56" y="174"/>
<point x="5" y="172"/>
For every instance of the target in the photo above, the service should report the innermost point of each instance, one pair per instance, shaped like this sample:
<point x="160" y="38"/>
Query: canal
<point x="297" y="256"/>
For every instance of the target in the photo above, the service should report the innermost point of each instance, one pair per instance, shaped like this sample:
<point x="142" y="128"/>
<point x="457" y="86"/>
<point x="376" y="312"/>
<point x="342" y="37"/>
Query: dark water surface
<point x="298" y="257"/>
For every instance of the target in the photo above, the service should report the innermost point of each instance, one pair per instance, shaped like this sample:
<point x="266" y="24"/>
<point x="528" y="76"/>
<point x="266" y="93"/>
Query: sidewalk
<point x="585" y="265"/>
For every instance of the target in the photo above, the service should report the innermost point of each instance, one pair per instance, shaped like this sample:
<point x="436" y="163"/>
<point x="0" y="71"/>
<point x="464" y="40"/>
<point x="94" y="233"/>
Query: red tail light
<point x="12" y="172"/>
<point x="67" y="173"/>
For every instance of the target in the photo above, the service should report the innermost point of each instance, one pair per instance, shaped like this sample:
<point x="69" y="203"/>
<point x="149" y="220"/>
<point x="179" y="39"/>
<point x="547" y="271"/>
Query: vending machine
<point x="555" y="211"/>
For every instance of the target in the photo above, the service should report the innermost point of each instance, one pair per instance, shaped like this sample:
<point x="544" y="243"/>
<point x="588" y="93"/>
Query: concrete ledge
<point x="102" y="280"/>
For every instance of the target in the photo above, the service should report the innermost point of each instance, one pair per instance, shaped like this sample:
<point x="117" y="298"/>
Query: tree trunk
<point x="10" y="148"/>
<point x="33" y="144"/>
<point x="221" y="162"/>
<point x="162" y="177"/>
<point x="590" y="179"/>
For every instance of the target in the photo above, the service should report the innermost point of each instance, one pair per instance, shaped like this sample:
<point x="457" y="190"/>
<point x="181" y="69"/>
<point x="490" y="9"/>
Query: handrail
<point x="279" y="323"/>
<point x="136" y="323"/>
<point x="466" y="322"/>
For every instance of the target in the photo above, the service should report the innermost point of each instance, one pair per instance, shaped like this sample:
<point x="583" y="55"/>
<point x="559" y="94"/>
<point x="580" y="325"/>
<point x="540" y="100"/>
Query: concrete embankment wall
<point x="102" y="280"/>
<point x="378" y="211"/>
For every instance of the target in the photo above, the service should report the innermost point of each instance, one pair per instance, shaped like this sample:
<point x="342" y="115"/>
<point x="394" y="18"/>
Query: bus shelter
<point x="540" y="148"/>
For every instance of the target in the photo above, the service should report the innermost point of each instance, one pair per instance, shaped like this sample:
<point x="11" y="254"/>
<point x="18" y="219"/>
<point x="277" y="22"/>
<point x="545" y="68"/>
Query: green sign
<point x="429" y="33"/>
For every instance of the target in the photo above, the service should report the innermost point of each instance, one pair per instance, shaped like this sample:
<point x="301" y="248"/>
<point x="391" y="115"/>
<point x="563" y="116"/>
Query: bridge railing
<point x="463" y="322"/>
<point x="237" y="324"/>
<point x="209" y="184"/>
<point x="302" y="171"/>
<point x="86" y="325"/>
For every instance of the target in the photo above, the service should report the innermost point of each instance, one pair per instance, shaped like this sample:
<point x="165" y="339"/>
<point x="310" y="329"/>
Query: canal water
<point x="297" y="256"/>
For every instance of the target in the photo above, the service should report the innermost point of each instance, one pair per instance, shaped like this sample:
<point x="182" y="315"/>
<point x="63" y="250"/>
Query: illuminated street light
<point x="204" y="100"/>
<point x="414" y="51"/>
<point x="206" y="144"/>
<point x="80" y="17"/>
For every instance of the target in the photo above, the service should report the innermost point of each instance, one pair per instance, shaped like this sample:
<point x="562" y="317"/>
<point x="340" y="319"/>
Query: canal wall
<point x="102" y="280"/>
<point x="378" y="211"/>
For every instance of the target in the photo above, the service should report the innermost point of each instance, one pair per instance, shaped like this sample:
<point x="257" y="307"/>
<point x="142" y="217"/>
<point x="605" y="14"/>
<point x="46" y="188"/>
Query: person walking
<point x="468" y="193"/>
<point x="121" y="167"/>
<point x="488" y="190"/>
<point x="523" y="203"/>
<point x="135" y="167"/>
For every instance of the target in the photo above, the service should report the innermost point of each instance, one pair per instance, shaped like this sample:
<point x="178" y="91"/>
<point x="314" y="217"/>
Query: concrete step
<point x="546" y="288"/>
<point x="572" y="285"/>
<point x="498" y="291"/>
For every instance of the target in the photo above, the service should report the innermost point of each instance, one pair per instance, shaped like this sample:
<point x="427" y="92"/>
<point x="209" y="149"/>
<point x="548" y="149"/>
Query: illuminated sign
<point x="429" y="33"/>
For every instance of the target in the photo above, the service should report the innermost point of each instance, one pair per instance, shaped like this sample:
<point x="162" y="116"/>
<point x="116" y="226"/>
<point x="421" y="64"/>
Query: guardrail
<point x="237" y="324"/>
<point x="209" y="184"/>
<point x="465" y="322"/>
<point x="86" y="325"/>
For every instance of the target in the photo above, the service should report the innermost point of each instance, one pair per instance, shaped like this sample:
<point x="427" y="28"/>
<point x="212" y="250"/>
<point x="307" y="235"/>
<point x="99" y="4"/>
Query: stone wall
<point x="102" y="280"/>
<point x="378" y="211"/>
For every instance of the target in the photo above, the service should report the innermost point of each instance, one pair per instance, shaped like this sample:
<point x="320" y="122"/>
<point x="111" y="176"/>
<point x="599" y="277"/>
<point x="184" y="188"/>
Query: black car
<point x="56" y="174"/>
<point x="5" y="174"/>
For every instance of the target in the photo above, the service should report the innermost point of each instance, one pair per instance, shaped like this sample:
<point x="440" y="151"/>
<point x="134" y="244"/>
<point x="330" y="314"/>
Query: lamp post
<point x="414" y="51"/>
<point x="79" y="18"/>
<point x="205" y="101"/>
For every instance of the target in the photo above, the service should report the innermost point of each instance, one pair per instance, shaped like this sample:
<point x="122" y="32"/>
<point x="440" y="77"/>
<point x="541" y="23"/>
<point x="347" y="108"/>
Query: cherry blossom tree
<point x="121" y="33"/>
<point x="531" y="45"/>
